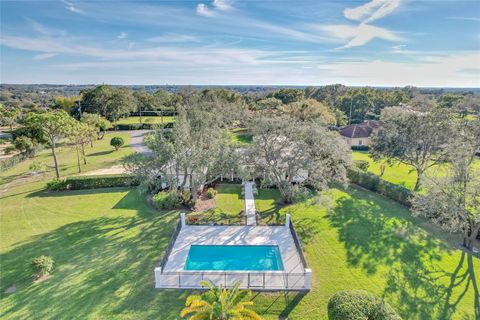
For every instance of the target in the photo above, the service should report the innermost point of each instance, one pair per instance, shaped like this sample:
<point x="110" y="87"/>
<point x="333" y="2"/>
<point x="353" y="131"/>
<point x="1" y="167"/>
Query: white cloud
<point x="361" y="12"/>
<point x="358" y="35"/>
<point x="455" y="70"/>
<point x="203" y="10"/>
<point x="364" y="33"/>
<point x="70" y="6"/>
<point x="217" y="5"/>
<point x="122" y="35"/>
<point x="44" y="30"/>
<point x="223" y="5"/>
<point x="476" y="19"/>
<point x="44" y="56"/>
<point x="372" y="10"/>
<point x="399" y="46"/>
<point x="174" y="37"/>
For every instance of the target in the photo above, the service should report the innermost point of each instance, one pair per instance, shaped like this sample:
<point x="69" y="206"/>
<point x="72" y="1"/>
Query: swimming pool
<point x="234" y="257"/>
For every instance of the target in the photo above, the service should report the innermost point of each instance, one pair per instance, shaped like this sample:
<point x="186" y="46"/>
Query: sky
<point x="257" y="42"/>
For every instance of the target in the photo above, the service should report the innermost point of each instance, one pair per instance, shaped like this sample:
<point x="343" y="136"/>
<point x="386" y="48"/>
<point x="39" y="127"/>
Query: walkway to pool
<point x="250" y="210"/>
<point x="172" y="274"/>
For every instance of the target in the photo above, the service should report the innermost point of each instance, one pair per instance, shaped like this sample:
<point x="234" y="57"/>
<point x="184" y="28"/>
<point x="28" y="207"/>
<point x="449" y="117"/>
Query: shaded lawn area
<point x="102" y="155"/>
<point x="229" y="203"/>
<point x="355" y="239"/>
<point x="240" y="139"/>
<point x="150" y="119"/>
<point x="400" y="173"/>
<point x="106" y="242"/>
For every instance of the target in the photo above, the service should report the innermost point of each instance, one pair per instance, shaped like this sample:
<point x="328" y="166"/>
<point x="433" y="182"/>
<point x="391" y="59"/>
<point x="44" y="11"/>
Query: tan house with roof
<point x="359" y="134"/>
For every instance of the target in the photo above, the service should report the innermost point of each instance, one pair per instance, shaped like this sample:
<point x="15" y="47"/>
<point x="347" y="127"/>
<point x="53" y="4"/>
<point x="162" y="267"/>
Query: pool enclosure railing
<point x="258" y="281"/>
<point x="253" y="280"/>
<point x="171" y="244"/>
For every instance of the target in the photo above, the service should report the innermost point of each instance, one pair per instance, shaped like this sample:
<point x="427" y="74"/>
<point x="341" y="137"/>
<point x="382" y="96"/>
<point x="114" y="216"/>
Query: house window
<point x="360" y="142"/>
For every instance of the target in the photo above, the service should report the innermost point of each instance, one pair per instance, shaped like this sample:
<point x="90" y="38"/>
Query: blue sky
<point x="379" y="42"/>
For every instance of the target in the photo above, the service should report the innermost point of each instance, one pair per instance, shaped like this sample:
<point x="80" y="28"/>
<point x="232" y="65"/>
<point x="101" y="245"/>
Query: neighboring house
<point x="359" y="134"/>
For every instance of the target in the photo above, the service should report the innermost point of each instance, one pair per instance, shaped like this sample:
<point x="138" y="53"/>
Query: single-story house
<point x="359" y="134"/>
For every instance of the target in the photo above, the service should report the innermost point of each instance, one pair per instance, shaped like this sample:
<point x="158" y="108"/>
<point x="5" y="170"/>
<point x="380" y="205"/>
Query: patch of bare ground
<point x="204" y="204"/>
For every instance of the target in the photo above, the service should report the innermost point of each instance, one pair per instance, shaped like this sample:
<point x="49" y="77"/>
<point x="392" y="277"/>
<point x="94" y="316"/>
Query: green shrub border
<point x="100" y="181"/>
<point x="376" y="184"/>
<point x="360" y="148"/>
<point x="142" y="126"/>
<point x="11" y="162"/>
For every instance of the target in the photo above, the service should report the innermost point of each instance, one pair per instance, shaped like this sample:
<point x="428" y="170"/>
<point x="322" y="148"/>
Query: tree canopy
<point x="290" y="154"/>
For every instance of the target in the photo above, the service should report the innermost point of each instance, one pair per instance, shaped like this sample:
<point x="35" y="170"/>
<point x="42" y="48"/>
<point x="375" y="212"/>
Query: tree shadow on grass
<point x="44" y="193"/>
<point x="104" y="269"/>
<point x="100" y="153"/>
<point x="378" y="234"/>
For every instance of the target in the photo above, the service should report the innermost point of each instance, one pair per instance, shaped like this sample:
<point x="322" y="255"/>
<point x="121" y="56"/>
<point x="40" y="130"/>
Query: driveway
<point x="136" y="141"/>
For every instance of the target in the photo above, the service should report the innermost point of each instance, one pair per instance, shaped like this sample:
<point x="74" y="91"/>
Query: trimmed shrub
<point x="359" y="305"/>
<point x="167" y="200"/>
<point x="210" y="194"/>
<point x="186" y="197"/>
<point x="117" y="142"/>
<point x="12" y="161"/>
<point x="42" y="265"/>
<point x="57" y="185"/>
<point x="376" y="184"/>
<point x="27" y="146"/>
<point x="10" y="149"/>
<point x="105" y="181"/>
<point x="142" y="126"/>
<point x="360" y="148"/>
<point x="361" y="164"/>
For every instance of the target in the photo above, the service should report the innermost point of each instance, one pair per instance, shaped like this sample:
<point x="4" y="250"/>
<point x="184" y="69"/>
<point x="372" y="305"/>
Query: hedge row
<point x="105" y="181"/>
<point x="92" y="182"/>
<point x="360" y="148"/>
<point x="142" y="126"/>
<point x="376" y="184"/>
<point x="359" y="304"/>
<point x="12" y="161"/>
<point x="150" y="113"/>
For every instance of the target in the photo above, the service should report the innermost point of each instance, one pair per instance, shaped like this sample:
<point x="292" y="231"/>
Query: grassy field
<point x="400" y="173"/>
<point x="106" y="242"/>
<point x="102" y="155"/>
<point x="154" y="119"/>
<point x="229" y="203"/>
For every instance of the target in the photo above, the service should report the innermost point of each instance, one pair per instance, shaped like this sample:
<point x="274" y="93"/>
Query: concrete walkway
<point x="250" y="204"/>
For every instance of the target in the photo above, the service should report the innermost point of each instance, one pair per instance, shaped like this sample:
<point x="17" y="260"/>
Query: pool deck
<point x="234" y="235"/>
<point x="171" y="273"/>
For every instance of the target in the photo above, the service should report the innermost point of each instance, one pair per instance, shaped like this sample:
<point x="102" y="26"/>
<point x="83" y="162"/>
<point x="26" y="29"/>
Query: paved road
<point x="136" y="141"/>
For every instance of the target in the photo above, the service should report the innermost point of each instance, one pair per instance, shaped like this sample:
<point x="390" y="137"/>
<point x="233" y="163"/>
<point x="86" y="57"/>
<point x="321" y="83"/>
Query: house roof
<point x="361" y="130"/>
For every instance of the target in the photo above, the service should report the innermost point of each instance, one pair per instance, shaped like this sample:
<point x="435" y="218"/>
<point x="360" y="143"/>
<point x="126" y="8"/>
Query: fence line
<point x="273" y="280"/>
<point x="298" y="246"/>
<point x="170" y="244"/>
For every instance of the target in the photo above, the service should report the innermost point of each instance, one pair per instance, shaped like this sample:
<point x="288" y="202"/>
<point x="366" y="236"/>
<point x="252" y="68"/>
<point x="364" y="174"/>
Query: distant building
<point x="359" y="134"/>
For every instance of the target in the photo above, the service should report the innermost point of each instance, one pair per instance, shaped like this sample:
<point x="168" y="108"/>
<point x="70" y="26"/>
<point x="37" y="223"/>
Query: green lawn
<point x="400" y="173"/>
<point x="106" y="242"/>
<point x="229" y="203"/>
<point x="153" y="119"/>
<point x="102" y="155"/>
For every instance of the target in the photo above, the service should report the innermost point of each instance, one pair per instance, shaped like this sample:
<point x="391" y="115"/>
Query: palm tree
<point x="220" y="304"/>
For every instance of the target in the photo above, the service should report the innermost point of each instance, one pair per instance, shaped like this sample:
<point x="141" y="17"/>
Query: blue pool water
<point x="245" y="258"/>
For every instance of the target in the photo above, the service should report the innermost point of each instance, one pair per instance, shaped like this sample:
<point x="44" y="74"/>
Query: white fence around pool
<point x="268" y="281"/>
<point x="253" y="280"/>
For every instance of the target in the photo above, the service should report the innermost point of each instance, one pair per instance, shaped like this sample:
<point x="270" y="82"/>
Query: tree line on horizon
<point x="348" y="104"/>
